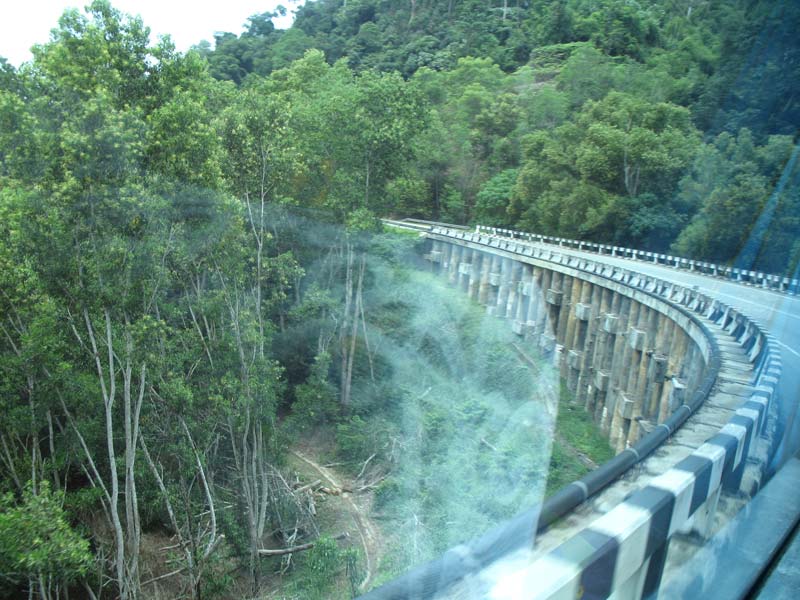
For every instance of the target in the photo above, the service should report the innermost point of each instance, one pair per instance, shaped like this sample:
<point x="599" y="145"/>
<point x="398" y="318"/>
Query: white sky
<point x="24" y="23"/>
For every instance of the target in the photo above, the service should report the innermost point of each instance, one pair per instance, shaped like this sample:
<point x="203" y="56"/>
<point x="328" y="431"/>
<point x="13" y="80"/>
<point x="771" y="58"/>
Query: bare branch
<point x="366" y="462"/>
<point x="86" y="451"/>
<point x="10" y="463"/>
<point x="206" y="488"/>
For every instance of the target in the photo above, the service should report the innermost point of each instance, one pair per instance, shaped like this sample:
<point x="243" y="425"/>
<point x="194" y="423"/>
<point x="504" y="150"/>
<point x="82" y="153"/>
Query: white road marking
<point x="771" y="309"/>
<point x="795" y="352"/>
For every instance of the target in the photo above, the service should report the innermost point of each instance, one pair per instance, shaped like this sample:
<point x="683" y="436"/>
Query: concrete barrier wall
<point x="746" y="276"/>
<point x="623" y="552"/>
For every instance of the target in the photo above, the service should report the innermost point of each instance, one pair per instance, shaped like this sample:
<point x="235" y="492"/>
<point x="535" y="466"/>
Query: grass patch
<point x="575" y="432"/>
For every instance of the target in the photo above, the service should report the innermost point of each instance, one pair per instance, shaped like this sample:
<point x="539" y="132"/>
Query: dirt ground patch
<point x="357" y="505"/>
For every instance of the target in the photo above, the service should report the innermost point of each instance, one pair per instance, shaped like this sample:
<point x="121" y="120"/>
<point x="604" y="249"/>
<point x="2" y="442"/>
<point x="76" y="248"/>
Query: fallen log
<point x="308" y="486"/>
<point x="293" y="549"/>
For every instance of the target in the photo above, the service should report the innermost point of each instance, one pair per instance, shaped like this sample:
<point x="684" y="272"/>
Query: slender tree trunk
<point x="353" y="334"/>
<point x="6" y="456"/>
<point x="132" y="409"/>
<point x="258" y="227"/>
<point x="109" y="394"/>
<point x="247" y="447"/>
<point x="346" y="328"/>
<point x="360" y="304"/>
<point x="34" y="441"/>
<point x="366" y="187"/>
<point x="52" y="444"/>
<point x="126" y="537"/>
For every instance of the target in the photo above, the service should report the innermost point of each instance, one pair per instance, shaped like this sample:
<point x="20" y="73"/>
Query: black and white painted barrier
<point x="624" y="551"/>
<point x="756" y="278"/>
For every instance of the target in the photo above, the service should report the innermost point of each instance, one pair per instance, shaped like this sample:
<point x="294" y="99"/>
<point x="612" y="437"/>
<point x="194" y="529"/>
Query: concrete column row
<point x="627" y="364"/>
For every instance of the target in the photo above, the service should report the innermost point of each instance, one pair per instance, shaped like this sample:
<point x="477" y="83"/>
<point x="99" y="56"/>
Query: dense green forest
<point x="660" y="125"/>
<point x="198" y="302"/>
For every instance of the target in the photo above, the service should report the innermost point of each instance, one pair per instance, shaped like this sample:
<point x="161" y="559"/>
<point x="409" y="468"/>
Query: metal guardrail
<point x="408" y="225"/>
<point x="421" y="224"/>
<point x="756" y="278"/>
<point x="627" y="546"/>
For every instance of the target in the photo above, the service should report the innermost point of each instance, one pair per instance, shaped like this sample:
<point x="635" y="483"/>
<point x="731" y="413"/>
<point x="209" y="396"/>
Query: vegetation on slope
<point x="611" y="121"/>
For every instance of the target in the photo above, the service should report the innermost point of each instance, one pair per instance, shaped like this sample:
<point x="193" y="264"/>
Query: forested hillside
<point x="660" y="125"/>
<point x="196" y="290"/>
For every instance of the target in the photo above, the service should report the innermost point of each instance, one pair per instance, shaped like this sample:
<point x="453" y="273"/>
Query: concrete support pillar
<point x="464" y="269"/>
<point x="570" y="363"/>
<point x="570" y="368"/>
<point x="587" y="311"/>
<point x="475" y="274"/>
<point x="598" y="296"/>
<point x="436" y="256"/>
<point x="651" y="344"/>
<point x="662" y="392"/>
<point x="524" y="294"/>
<point x="569" y="339"/>
<point x="690" y="368"/>
<point x="564" y="309"/>
<point x="601" y="373"/>
<point x="494" y="282"/>
<point x="547" y="318"/>
<point x="620" y="413"/>
<point x="553" y="299"/>
<point x="680" y="347"/>
<point x="547" y="315"/>
<point x="657" y="370"/>
<point x="638" y="367"/>
<point x="598" y="376"/>
<point x="447" y="251"/>
<point x="514" y="293"/>
<point x="503" y="289"/>
<point x="535" y="317"/>
<point x="455" y="259"/>
<point x="585" y="369"/>
<point x="605" y="301"/>
<point x="637" y="344"/>
<point x="483" y="288"/>
<point x="613" y="363"/>
<point x="675" y="367"/>
<point x="617" y="301"/>
<point x="653" y="378"/>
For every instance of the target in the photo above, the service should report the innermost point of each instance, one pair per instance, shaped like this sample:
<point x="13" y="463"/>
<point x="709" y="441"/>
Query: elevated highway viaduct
<point x="777" y="311"/>
<point x="644" y="346"/>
